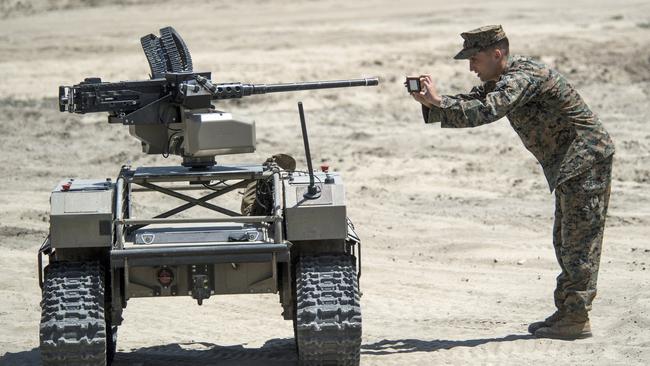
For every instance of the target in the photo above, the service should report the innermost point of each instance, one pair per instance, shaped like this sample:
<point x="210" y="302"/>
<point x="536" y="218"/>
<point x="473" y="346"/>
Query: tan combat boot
<point x="568" y="327"/>
<point x="532" y="328"/>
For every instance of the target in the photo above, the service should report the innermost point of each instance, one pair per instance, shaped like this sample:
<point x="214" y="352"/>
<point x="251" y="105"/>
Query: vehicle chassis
<point x="197" y="268"/>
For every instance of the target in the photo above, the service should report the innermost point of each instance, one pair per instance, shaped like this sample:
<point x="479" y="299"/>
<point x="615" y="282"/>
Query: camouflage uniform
<point x="580" y="210"/>
<point x="570" y="143"/>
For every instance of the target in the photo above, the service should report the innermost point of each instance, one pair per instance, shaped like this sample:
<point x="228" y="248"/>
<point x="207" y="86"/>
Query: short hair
<point x="503" y="45"/>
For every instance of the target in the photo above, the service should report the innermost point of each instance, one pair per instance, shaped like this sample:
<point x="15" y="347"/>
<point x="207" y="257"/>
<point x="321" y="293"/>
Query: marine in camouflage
<point x="574" y="150"/>
<point x="548" y="114"/>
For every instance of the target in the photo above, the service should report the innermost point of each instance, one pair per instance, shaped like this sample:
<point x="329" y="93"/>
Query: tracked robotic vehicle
<point x="297" y="240"/>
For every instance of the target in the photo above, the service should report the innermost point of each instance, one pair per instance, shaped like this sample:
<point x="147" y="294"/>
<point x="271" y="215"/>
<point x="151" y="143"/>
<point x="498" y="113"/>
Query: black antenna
<point x="313" y="192"/>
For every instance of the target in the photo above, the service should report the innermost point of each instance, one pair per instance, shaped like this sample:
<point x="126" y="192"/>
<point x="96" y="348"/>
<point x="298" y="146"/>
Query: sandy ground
<point x="456" y="224"/>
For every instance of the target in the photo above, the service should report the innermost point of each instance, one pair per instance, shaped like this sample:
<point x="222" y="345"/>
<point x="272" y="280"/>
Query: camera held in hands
<point x="412" y="84"/>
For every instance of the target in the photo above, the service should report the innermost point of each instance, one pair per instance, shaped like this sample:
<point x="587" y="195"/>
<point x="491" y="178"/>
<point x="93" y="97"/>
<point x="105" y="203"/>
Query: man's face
<point x="486" y="64"/>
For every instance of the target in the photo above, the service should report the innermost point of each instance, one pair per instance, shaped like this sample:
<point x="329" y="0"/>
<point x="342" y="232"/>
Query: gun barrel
<point x="311" y="85"/>
<point x="238" y="90"/>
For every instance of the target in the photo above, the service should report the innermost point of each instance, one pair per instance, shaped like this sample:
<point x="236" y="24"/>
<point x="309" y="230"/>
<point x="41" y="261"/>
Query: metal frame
<point x="245" y="174"/>
<point x="195" y="201"/>
<point x="45" y="249"/>
<point x="143" y="178"/>
<point x="202" y="255"/>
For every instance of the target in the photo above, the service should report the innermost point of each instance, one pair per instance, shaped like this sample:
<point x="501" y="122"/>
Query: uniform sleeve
<point x="433" y="114"/>
<point x="479" y="107"/>
<point x="430" y="115"/>
<point x="477" y="92"/>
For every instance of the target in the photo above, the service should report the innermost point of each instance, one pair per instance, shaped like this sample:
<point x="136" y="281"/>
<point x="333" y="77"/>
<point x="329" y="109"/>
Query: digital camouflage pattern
<point x="575" y="152"/>
<point x="478" y="39"/>
<point x="580" y="211"/>
<point x="549" y="115"/>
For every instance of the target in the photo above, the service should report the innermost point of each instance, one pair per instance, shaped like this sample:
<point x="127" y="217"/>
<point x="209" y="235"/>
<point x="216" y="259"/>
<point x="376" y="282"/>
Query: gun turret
<point x="172" y="113"/>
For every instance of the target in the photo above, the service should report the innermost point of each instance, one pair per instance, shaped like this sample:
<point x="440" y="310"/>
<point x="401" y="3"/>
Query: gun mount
<point x="172" y="113"/>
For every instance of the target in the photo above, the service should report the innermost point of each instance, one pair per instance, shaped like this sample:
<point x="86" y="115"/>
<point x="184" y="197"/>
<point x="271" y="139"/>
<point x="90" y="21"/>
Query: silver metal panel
<point x="181" y="173"/>
<point x="321" y="218"/>
<point x="218" y="133"/>
<point x="316" y="223"/>
<point x="183" y="234"/>
<point x="81" y="214"/>
<point x="324" y="199"/>
<point x="229" y="278"/>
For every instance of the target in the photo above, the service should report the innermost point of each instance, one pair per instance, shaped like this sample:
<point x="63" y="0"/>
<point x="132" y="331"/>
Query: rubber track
<point x="73" y="329"/>
<point x="328" y="312"/>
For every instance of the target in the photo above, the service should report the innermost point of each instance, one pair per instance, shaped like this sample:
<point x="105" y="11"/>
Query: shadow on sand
<point x="386" y="347"/>
<point x="275" y="352"/>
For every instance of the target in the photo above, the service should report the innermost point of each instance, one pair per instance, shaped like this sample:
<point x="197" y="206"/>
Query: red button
<point x="324" y="168"/>
<point x="66" y="186"/>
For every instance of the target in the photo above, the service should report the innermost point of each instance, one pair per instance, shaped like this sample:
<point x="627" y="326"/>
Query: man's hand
<point x="429" y="93"/>
<point x="420" y="98"/>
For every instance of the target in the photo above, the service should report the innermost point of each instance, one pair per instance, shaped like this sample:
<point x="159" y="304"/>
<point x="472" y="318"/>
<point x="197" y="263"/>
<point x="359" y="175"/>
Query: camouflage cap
<point x="478" y="39"/>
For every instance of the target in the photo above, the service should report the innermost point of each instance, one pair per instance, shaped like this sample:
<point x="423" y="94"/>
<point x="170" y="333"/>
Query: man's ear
<point x="497" y="53"/>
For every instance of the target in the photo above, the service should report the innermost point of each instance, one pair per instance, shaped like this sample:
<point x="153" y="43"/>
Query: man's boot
<point x="568" y="327"/>
<point x="533" y="327"/>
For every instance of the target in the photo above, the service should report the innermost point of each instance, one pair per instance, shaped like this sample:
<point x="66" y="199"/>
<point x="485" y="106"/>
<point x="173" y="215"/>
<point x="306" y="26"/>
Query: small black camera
<point x="413" y="84"/>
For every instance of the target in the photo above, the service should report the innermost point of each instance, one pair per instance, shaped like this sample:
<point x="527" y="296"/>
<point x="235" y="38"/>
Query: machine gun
<point x="172" y="113"/>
